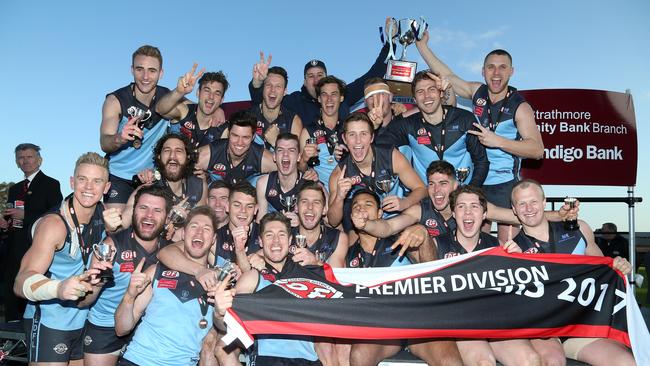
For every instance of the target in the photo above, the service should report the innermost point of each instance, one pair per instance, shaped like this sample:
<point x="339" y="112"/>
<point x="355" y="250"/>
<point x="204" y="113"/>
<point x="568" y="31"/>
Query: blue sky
<point x="59" y="59"/>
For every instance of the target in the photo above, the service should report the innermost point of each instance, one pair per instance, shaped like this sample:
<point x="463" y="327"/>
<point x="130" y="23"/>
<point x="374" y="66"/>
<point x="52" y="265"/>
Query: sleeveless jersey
<point x="500" y="118"/>
<point x="226" y="244"/>
<point x="284" y="121"/>
<point x="127" y="160"/>
<point x="192" y="189"/>
<point x="381" y="256"/>
<point x="169" y="332"/>
<point x="221" y="166"/>
<point x="560" y="241"/>
<point x="274" y="192"/>
<point x="128" y="253"/>
<point x="433" y="220"/>
<point x="448" y="140"/>
<point x="189" y="127"/>
<point x="326" y="242"/>
<point x="324" y="137"/>
<point x="449" y="247"/>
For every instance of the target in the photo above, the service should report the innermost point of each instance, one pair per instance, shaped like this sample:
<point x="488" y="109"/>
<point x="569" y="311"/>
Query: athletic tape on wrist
<point x="45" y="291"/>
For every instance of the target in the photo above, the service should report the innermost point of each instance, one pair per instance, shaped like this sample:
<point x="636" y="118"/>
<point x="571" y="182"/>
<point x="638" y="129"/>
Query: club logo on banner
<point x="585" y="133"/>
<point x="526" y="295"/>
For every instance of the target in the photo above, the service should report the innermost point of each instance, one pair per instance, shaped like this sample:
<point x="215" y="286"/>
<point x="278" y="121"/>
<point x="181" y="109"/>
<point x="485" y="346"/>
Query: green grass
<point x="642" y="293"/>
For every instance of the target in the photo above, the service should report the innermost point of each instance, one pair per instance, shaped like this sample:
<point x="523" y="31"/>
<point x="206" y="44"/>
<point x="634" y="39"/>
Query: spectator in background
<point x="612" y="243"/>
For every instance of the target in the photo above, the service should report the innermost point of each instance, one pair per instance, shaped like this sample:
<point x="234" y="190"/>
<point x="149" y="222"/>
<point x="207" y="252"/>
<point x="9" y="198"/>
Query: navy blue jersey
<point x="447" y="140"/>
<point x="189" y="127"/>
<point x="499" y="118"/>
<point x="433" y="220"/>
<point x="226" y="244"/>
<point x="560" y="241"/>
<point x="274" y="192"/>
<point x="327" y="241"/>
<point x="127" y="161"/>
<point x="221" y="166"/>
<point x="448" y="246"/>
<point x="284" y="121"/>
<point x="192" y="189"/>
<point x="381" y="256"/>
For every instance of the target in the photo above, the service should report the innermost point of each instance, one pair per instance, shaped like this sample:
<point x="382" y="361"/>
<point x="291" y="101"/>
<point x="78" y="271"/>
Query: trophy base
<point x="403" y="71"/>
<point x="400" y="89"/>
<point x="106" y="277"/>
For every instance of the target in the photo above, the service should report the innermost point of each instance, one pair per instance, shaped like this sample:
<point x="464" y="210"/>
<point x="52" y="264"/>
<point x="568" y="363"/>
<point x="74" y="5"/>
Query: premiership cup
<point x="385" y="183"/>
<point x="400" y="71"/>
<point x="301" y="241"/>
<point x="224" y="270"/>
<point x="104" y="252"/>
<point x="288" y="202"/>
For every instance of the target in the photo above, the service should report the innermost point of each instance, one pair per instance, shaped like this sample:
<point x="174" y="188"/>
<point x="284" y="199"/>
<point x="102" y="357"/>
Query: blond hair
<point x="91" y="158"/>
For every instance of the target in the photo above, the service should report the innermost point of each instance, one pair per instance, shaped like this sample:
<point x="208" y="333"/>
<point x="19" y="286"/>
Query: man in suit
<point x="28" y="199"/>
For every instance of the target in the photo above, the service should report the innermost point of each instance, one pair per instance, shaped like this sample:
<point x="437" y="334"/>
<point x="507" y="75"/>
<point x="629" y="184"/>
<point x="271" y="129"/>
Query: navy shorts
<point x="499" y="194"/>
<point x="277" y="361"/>
<point x="120" y="190"/>
<point x="102" y="340"/>
<point x="52" y="345"/>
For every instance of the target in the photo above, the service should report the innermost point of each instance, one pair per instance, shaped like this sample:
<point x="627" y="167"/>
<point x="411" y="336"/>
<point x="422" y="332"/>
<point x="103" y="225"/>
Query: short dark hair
<point x="442" y="167"/>
<point x="312" y="186"/>
<point x="27" y="146"/>
<point x="330" y="79"/>
<point x="287" y="136"/>
<point x="358" y="117"/>
<point x="498" y="52"/>
<point x="471" y="190"/>
<point x="245" y="188"/>
<point x="243" y="118"/>
<point x="147" y="50"/>
<point x="189" y="151"/>
<point x="217" y="184"/>
<point x="218" y="76"/>
<point x="274" y="216"/>
<point x="158" y="191"/>
<point x="204" y="211"/>
<point x="419" y="76"/>
<point x="369" y="192"/>
<point x="277" y="70"/>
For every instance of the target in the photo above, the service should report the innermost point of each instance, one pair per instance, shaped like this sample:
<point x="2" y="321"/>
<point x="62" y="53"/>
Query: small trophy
<point x="137" y="141"/>
<point x="571" y="225"/>
<point x="288" y="201"/>
<point x="301" y="241"/>
<point x="104" y="252"/>
<point x="178" y="214"/>
<point x="225" y="269"/>
<point x="385" y="183"/>
<point x="314" y="160"/>
<point x="400" y="70"/>
<point x="462" y="174"/>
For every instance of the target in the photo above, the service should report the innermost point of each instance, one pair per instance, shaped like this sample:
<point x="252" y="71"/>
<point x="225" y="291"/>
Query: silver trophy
<point x="462" y="174"/>
<point x="407" y="32"/>
<point x="385" y="183"/>
<point x="288" y="201"/>
<point x="301" y="241"/>
<point x="227" y="268"/>
<point x="104" y="252"/>
<point x="571" y="225"/>
<point x="178" y="214"/>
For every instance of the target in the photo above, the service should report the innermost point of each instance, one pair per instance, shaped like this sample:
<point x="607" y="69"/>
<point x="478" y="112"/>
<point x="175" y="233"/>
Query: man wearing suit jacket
<point x="28" y="199"/>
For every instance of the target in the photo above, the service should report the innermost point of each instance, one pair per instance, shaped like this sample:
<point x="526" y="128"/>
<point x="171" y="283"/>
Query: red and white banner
<point x="589" y="137"/>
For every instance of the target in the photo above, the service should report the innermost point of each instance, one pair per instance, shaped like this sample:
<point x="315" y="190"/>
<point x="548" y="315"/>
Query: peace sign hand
<point x="139" y="280"/>
<point x="376" y="113"/>
<point x="186" y="82"/>
<point x="486" y="136"/>
<point x="261" y="69"/>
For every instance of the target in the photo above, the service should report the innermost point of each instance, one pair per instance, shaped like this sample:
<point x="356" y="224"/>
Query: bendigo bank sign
<point x="589" y="137"/>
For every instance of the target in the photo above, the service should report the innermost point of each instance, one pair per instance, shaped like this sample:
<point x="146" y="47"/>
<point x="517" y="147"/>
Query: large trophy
<point x="105" y="252"/>
<point x="400" y="72"/>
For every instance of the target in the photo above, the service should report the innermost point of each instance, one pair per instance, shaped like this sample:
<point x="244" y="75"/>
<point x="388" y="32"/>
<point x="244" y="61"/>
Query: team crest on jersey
<point x="354" y="262"/>
<point x="60" y="348"/>
<point x="170" y="274"/>
<point x="292" y="249"/>
<point x="431" y="223"/>
<point x="189" y="125"/>
<point x="113" y="193"/>
<point x="127" y="255"/>
<point x="219" y="167"/>
<point x="227" y="247"/>
<point x="532" y="250"/>
<point x="481" y="102"/>
<point x="422" y="132"/>
<point x="478" y="111"/>
<point x="306" y="288"/>
<point x="273" y="193"/>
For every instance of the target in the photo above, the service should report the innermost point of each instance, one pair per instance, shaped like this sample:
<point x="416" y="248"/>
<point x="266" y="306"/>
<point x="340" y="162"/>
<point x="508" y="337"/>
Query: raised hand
<point x="621" y="264"/>
<point x="359" y="219"/>
<point x="311" y="174"/>
<point x="309" y="151"/>
<point x="240" y="237"/>
<point x="139" y="280"/>
<point x="186" y="82"/>
<point x="510" y="246"/>
<point x="486" y="137"/>
<point x="75" y="287"/>
<point x="222" y="296"/>
<point x="112" y="219"/>
<point x="344" y="185"/>
<point x="376" y="113"/>
<point x="392" y="203"/>
<point x="304" y="257"/>
<point x="261" y="70"/>
<point x="207" y="278"/>
<point x="131" y="130"/>
<point x="412" y="237"/>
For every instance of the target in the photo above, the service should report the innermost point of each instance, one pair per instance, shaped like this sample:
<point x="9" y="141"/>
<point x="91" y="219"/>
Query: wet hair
<point x="523" y="184"/>
<point x="277" y="70"/>
<point x="244" y="118"/>
<point x="442" y="167"/>
<point x="312" y="186"/>
<point x="470" y="190"/>
<point x="245" y="188"/>
<point x="358" y="117"/>
<point x="204" y="211"/>
<point x="498" y="52"/>
<point x="218" y="76"/>
<point x="189" y="151"/>
<point x="275" y="216"/>
<point x="148" y="50"/>
<point x="331" y="80"/>
<point x="158" y="191"/>
<point x="287" y="136"/>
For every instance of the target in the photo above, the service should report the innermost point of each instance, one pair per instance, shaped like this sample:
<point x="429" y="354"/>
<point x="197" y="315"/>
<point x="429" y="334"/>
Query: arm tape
<point x="45" y="291"/>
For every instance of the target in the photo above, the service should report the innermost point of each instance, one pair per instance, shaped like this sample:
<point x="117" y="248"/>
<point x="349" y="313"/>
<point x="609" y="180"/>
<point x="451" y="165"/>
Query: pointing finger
<point x="138" y="269"/>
